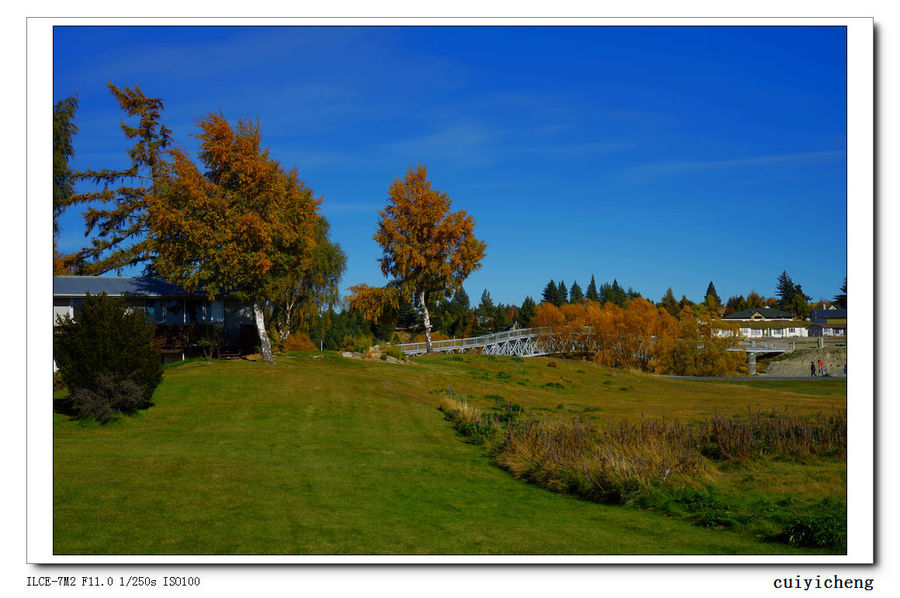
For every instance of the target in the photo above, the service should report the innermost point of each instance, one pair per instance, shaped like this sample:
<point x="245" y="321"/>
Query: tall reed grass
<point x="618" y="462"/>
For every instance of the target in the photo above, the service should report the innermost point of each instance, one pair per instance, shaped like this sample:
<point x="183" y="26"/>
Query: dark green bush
<point x="107" y="339"/>
<point x="825" y="526"/>
<point x="111" y="397"/>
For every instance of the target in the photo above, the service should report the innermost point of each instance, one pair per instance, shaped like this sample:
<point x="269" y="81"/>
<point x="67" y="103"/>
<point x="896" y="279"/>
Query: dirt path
<point x="796" y="363"/>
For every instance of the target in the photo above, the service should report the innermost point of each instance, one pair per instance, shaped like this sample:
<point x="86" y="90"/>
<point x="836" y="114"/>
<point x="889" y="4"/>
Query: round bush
<point x="112" y="396"/>
<point x="109" y="339"/>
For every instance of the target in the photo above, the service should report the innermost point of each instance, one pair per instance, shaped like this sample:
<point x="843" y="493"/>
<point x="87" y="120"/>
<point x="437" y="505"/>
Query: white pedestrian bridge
<point x="524" y="342"/>
<point x="534" y="342"/>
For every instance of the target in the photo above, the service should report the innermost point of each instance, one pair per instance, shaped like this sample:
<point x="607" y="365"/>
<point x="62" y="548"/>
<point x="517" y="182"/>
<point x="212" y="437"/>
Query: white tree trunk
<point x="426" y="319"/>
<point x="264" y="347"/>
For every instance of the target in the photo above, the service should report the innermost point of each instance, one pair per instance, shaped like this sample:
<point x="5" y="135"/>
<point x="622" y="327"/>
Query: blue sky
<point x="657" y="156"/>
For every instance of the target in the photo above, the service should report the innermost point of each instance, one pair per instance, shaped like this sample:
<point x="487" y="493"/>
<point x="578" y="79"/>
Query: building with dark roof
<point x="828" y="322"/>
<point x="166" y="305"/>
<point x="760" y="313"/>
<point x="762" y="322"/>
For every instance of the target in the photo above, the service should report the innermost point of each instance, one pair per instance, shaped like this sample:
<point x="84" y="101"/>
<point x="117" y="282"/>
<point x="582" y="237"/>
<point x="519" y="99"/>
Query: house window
<point x="194" y="311"/>
<point x="174" y="312"/>
<point x="215" y="311"/>
<point x="155" y="311"/>
<point x="792" y="330"/>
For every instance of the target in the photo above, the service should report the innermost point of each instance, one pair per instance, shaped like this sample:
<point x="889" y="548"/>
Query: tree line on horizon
<point x="234" y="220"/>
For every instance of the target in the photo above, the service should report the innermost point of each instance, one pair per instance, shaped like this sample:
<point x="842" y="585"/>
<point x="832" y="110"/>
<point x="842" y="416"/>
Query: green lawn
<point x="325" y="455"/>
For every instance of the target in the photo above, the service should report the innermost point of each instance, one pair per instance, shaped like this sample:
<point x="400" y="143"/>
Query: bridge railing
<point x="472" y="342"/>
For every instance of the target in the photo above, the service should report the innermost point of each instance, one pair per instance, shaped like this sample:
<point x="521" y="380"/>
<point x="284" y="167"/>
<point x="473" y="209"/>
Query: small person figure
<point x="812" y="370"/>
<point x="617" y="362"/>
<point x="820" y="367"/>
<point x="824" y="369"/>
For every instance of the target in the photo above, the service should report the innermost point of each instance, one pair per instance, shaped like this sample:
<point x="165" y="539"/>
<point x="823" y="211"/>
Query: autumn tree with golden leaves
<point x="240" y="228"/>
<point x="427" y="250"/>
<point x="639" y="335"/>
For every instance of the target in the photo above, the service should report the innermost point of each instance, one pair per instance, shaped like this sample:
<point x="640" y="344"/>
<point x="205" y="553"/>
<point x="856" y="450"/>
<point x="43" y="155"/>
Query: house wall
<point x="754" y="333"/>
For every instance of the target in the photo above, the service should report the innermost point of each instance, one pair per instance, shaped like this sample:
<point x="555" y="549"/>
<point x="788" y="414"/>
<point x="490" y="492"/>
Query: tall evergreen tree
<point x="669" y="303"/>
<point x="460" y="300"/>
<point x="632" y="294"/>
<point x="526" y="312"/>
<point x="618" y="294"/>
<point x="562" y="294"/>
<point x="711" y="291"/>
<point x="575" y="294"/>
<point x="784" y="289"/>
<point x="64" y="130"/>
<point x="591" y="292"/>
<point x="800" y="303"/>
<point x="605" y="295"/>
<point x="486" y="302"/>
<point x="841" y="298"/>
<point x="550" y="294"/>
<point x="121" y="229"/>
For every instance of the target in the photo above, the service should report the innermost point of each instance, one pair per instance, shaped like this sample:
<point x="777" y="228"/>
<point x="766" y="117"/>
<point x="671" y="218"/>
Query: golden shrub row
<point x="639" y="336"/>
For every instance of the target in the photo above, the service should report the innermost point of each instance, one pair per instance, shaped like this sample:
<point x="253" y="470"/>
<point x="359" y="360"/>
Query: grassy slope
<point x="333" y="456"/>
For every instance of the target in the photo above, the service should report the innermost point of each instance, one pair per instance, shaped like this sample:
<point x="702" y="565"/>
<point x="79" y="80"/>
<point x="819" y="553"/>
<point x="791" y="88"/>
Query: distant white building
<point x="762" y="322"/>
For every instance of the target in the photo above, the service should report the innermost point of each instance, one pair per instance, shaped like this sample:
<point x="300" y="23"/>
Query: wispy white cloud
<point x="465" y="143"/>
<point x="677" y="167"/>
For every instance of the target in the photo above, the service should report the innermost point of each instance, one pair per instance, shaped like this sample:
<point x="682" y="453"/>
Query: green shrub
<point x="825" y="526"/>
<point x="111" y="396"/>
<point x="359" y="343"/>
<point x="107" y="339"/>
<point x="393" y="351"/>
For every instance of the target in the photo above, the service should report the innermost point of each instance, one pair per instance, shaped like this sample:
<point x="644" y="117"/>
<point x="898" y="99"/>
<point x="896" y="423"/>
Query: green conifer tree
<point x="575" y="294"/>
<point x="669" y="303"/>
<point x="562" y="294"/>
<point x="591" y="292"/>
<point x="550" y="293"/>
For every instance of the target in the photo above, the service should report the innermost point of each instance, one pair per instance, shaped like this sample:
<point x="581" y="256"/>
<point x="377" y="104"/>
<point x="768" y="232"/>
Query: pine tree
<point x="591" y="293"/>
<point x="64" y="130"/>
<point x="526" y="312"/>
<point x="550" y="293"/>
<point x="784" y="289"/>
<point x="800" y="303"/>
<point x="605" y="295"/>
<point x="575" y="294"/>
<point x="841" y="298"/>
<point x="460" y="302"/>
<point x="618" y="294"/>
<point x="562" y="294"/>
<point x="121" y="238"/>
<point x="669" y="303"/>
<point x="711" y="291"/>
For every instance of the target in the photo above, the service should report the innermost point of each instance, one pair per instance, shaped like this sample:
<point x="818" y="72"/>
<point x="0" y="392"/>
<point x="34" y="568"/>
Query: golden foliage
<point x="238" y="227"/>
<point x="298" y="342"/>
<point x="425" y="247"/>
<point x="375" y="303"/>
<point x="639" y="336"/>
